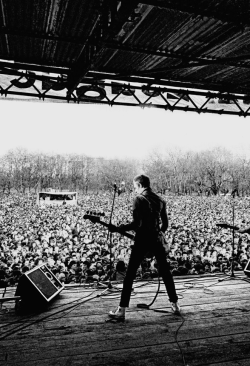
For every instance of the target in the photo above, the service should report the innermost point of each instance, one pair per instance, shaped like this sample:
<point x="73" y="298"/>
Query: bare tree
<point x="210" y="172"/>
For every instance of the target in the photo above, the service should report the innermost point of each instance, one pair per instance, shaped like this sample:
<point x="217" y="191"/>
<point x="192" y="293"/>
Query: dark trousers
<point x="138" y="252"/>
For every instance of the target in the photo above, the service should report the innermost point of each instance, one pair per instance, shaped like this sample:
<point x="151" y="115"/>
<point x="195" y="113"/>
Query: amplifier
<point x="37" y="288"/>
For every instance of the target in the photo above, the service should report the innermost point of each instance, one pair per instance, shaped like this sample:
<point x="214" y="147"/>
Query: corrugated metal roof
<point x="196" y="41"/>
<point x="29" y="24"/>
<point x="188" y="36"/>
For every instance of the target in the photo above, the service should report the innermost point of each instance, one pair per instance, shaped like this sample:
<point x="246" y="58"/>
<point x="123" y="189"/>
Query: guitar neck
<point x="130" y="236"/>
<point x="96" y="220"/>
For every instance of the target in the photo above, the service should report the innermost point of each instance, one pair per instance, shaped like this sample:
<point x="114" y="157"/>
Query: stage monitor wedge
<point x="37" y="288"/>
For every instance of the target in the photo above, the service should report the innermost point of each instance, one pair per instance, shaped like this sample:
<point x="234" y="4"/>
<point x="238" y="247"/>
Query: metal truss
<point x="39" y="86"/>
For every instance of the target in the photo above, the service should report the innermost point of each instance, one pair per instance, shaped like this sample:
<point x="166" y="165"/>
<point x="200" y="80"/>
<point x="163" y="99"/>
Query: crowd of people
<point x="78" y="250"/>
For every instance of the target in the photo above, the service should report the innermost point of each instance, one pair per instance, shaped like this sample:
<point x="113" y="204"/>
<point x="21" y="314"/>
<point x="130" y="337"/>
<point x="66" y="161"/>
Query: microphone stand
<point x="232" y="275"/>
<point x="109" y="239"/>
<point x="232" y="263"/>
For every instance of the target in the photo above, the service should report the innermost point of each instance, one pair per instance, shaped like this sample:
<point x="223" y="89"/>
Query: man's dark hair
<point x="87" y="263"/>
<point x="71" y="263"/>
<point x="143" y="180"/>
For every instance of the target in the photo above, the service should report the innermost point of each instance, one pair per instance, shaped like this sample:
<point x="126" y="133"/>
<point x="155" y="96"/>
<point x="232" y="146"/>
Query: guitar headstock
<point x="93" y="216"/>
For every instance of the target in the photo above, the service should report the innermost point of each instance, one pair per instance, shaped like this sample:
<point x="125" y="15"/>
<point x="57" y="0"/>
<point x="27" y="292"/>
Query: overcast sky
<point x="103" y="131"/>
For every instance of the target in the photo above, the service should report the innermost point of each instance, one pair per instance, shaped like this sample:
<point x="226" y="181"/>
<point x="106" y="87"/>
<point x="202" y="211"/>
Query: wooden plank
<point x="73" y="325"/>
<point x="83" y="337"/>
<point x="179" y="282"/>
<point x="197" y="353"/>
<point x="191" y="329"/>
<point x="199" y="312"/>
<point x="138" y="334"/>
<point x="223" y="288"/>
<point x="243" y="362"/>
<point x="102" y="305"/>
<point x="98" y="316"/>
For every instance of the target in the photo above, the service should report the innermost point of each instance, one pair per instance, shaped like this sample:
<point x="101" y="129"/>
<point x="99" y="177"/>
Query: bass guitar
<point x="97" y="220"/>
<point x="225" y="225"/>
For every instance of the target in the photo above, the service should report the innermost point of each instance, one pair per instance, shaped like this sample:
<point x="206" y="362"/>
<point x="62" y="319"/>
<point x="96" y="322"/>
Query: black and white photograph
<point x="124" y="183"/>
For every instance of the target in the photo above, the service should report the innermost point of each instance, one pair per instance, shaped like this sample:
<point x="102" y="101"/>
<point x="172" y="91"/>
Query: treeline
<point x="208" y="172"/>
<point x="23" y="171"/>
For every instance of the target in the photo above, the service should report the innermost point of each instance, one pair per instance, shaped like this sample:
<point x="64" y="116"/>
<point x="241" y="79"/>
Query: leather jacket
<point x="149" y="214"/>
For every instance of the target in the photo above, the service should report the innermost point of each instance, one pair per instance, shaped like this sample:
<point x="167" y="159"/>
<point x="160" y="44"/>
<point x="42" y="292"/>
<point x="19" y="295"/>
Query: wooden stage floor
<point x="214" y="328"/>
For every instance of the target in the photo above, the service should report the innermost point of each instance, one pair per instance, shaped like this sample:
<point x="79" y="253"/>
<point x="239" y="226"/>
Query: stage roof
<point x="173" y="54"/>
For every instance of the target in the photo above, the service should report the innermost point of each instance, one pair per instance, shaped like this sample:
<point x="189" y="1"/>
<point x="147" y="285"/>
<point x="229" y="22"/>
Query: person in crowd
<point x="120" y="271"/>
<point x="31" y="236"/>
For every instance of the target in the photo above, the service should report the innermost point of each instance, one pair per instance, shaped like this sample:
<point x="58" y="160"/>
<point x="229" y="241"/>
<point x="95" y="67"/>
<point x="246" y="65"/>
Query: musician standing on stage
<point x="149" y="222"/>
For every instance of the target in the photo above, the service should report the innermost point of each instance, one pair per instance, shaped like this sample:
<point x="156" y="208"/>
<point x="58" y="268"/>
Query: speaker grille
<point x="42" y="283"/>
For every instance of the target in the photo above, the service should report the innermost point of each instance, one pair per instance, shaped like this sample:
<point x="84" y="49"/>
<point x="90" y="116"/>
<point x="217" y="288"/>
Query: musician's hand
<point x="121" y="229"/>
<point x="242" y="231"/>
<point x="245" y="230"/>
<point x="113" y="229"/>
